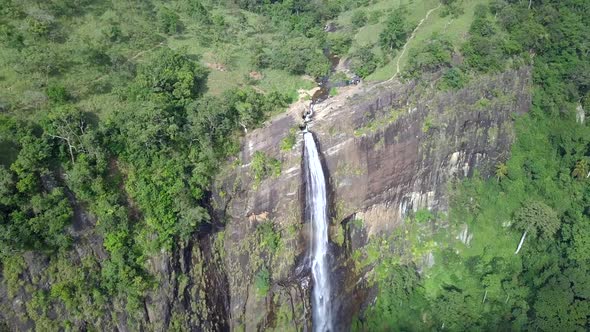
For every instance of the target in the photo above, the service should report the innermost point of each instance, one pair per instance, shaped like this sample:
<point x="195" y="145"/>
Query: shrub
<point x="423" y="215"/>
<point x="262" y="282"/>
<point x="267" y="236"/>
<point x="451" y="7"/>
<point x="453" y="78"/>
<point x="363" y="61"/>
<point x="289" y="141"/>
<point x="359" y="18"/>
<point x="435" y="54"/>
<point x="57" y="94"/>
<point x="374" y="16"/>
<point x="338" y="44"/>
<point x="263" y="166"/>
<point x="396" y="32"/>
<point x="168" y="22"/>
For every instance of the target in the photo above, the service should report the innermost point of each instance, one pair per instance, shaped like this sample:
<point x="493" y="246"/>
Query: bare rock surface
<point x="388" y="148"/>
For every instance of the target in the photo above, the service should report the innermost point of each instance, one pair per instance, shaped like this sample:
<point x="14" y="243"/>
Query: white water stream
<point x="317" y="206"/>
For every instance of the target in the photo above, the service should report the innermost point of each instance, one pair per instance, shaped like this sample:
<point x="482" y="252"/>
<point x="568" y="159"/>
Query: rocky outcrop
<point x="388" y="149"/>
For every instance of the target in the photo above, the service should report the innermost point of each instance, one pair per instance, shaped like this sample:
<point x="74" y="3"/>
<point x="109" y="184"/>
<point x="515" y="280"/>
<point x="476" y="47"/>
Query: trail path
<point x="133" y="58"/>
<point x="397" y="70"/>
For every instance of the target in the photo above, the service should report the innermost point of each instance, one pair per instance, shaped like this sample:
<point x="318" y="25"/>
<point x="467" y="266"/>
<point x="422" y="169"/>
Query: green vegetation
<point x="333" y="92"/>
<point x="268" y="238"/>
<point x="433" y="56"/>
<point x="337" y="235"/>
<point x="363" y="62"/>
<point x="454" y="8"/>
<point x="485" y="47"/>
<point x="429" y="123"/>
<point x="379" y="122"/>
<point x="339" y="44"/>
<point x="453" y="78"/>
<point x="116" y="115"/>
<point x="396" y="31"/>
<point x="263" y="166"/>
<point x="262" y="282"/>
<point x="477" y="281"/>
<point x="451" y="22"/>
<point x="35" y="211"/>
<point x="178" y="138"/>
<point x="289" y="141"/>
<point x="359" y="18"/>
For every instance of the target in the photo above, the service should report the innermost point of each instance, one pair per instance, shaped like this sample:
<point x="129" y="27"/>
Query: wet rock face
<point x="388" y="149"/>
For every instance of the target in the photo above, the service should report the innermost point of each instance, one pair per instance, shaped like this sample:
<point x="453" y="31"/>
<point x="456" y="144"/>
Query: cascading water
<point x="318" y="212"/>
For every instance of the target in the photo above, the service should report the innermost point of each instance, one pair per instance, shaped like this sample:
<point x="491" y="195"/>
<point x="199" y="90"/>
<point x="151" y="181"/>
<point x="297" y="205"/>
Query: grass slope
<point x="454" y="28"/>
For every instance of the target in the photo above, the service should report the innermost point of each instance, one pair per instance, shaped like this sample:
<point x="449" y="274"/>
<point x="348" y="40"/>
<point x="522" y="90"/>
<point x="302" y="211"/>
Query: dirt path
<point x="132" y="58"/>
<point x="144" y="51"/>
<point x="397" y="70"/>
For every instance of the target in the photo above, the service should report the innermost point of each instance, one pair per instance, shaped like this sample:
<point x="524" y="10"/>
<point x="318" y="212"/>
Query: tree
<point x="44" y="59"/>
<point x="67" y="124"/>
<point x="338" y="44"/>
<point x="199" y="12"/>
<point x="579" y="233"/>
<point x="452" y="7"/>
<point x="482" y="25"/>
<point x="295" y="55"/>
<point x="11" y="37"/>
<point x="559" y="308"/>
<point x="396" y="31"/>
<point x="7" y="186"/>
<point x="250" y="105"/>
<point x="168" y="21"/>
<point x="37" y="222"/>
<point x="456" y="310"/>
<point x="400" y="298"/>
<point x="57" y="94"/>
<point x="433" y="55"/>
<point x="484" y="49"/>
<point x="318" y="66"/>
<point x="363" y="61"/>
<point x="501" y="171"/>
<point x="581" y="170"/>
<point x="359" y="18"/>
<point x="536" y="218"/>
<point x="170" y="77"/>
<point x="50" y="214"/>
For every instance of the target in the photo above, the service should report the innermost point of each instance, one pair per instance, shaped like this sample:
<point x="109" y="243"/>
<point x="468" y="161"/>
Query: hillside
<point x="153" y="173"/>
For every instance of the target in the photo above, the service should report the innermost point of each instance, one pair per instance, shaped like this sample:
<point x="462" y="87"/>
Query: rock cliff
<point x="388" y="148"/>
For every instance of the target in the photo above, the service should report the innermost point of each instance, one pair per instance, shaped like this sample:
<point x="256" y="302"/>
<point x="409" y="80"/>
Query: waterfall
<point x="318" y="212"/>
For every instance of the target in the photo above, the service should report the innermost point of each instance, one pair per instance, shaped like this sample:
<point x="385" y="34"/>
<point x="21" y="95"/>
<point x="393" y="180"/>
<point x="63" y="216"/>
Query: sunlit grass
<point x="368" y="36"/>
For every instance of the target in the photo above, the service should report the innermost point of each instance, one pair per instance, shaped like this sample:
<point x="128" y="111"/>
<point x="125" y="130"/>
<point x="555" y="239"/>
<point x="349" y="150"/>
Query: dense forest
<point x="120" y="107"/>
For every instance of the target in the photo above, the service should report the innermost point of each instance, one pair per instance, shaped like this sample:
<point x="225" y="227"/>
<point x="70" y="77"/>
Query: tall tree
<point x="396" y="31"/>
<point x="536" y="218"/>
